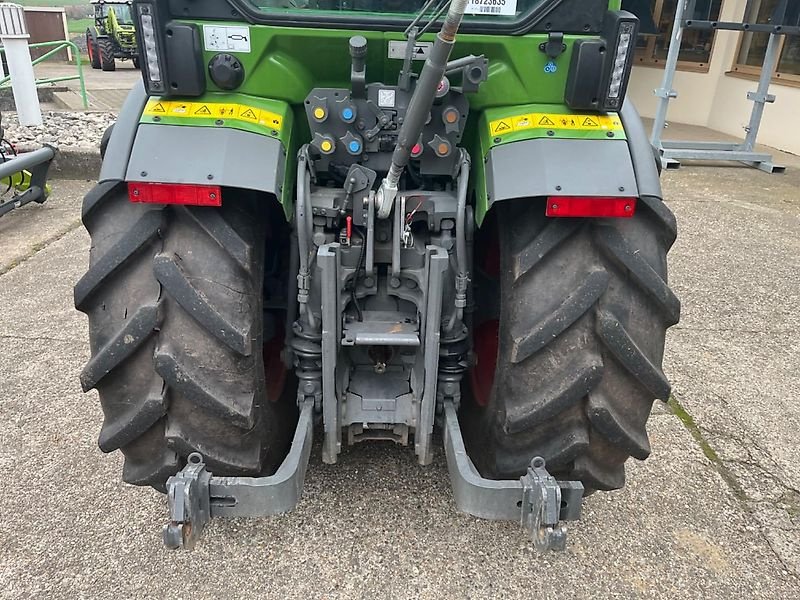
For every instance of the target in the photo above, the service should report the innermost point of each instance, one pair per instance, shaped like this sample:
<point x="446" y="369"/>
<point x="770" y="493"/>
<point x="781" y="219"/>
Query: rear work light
<point x="600" y="67"/>
<point x="618" y="69"/>
<point x="619" y="61"/>
<point x="170" y="51"/>
<point x="175" y="193"/>
<point x="588" y="206"/>
<point x="148" y="38"/>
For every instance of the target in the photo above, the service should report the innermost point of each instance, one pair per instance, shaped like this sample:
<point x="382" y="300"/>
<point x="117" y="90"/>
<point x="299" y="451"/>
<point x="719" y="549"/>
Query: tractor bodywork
<point x="387" y="186"/>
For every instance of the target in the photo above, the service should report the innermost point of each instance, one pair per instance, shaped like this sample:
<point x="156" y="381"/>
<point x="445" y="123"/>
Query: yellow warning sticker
<point x="248" y="114"/>
<point x="214" y="110"/>
<point x="554" y="121"/>
<point x="501" y="126"/>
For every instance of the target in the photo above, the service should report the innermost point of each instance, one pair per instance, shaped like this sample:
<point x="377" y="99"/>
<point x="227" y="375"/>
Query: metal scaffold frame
<point x="670" y="150"/>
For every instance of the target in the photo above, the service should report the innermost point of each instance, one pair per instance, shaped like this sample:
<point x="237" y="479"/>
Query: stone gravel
<point x="80" y="42"/>
<point x="63" y="129"/>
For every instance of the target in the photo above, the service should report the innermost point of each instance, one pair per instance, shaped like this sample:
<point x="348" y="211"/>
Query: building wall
<point x="719" y="101"/>
<point x="46" y="24"/>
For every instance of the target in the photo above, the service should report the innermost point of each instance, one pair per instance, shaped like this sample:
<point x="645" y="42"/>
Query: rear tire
<point x="92" y="49"/>
<point x="583" y="310"/>
<point x="106" y="51"/>
<point x="175" y="304"/>
<point x="135" y="62"/>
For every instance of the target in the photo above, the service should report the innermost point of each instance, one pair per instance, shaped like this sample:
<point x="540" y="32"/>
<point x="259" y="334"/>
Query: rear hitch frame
<point x="195" y="495"/>
<point x="536" y="500"/>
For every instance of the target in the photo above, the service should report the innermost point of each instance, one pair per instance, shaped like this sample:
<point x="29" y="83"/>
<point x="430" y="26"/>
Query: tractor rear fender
<point x="118" y="151"/>
<point x="643" y="155"/>
<point x="152" y="152"/>
<point x="574" y="167"/>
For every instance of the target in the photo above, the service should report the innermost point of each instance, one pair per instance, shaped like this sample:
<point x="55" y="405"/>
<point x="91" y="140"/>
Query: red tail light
<point x="175" y="193"/>
<point x="588" y="206"/>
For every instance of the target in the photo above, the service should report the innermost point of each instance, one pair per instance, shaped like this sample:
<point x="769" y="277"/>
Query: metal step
<point x="380" y="329"/>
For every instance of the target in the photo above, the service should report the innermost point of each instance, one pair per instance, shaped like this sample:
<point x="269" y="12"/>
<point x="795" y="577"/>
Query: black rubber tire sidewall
<point x="572" y="399"/>
<point x="106" y="51"/>
<point x="94" y="51"/>
<point x="152" y="378"/>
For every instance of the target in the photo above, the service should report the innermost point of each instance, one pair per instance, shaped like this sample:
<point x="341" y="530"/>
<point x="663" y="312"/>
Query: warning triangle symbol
<point x="158" y="108"/>
<point x="545" y="120"/>
<point x="203" y="110"/>
<point x="502" y="126"/>
<point x="590" y="122"/>
<point x="249" y="114"/>
<point x="420" y="50"/>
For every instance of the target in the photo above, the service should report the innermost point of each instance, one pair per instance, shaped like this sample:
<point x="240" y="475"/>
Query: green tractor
<point x="113" y="35"/>
<point x="433" y="223"/>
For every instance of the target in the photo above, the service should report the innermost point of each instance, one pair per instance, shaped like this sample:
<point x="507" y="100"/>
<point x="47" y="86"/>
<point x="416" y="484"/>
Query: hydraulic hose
<point x="420" y="105"/>
<point x="462" y="278"/>
<point x="304" y="226"/>
<point x="291" y="309"/>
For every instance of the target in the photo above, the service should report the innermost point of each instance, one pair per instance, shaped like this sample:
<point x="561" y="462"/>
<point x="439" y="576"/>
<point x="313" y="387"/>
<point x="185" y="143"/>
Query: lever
<point x="358" y="68"/>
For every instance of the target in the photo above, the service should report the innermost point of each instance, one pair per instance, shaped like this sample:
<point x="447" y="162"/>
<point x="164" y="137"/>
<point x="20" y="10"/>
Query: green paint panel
<point x="287" y="62"/>
<point x="229" y="124"/>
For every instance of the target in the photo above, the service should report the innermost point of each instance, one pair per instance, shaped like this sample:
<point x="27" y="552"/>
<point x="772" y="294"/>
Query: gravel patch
<point x="61" y="128"/>
<point x="80" y="42"/>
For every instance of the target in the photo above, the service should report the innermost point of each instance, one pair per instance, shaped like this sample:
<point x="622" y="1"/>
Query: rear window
<point x="503" y="10"/>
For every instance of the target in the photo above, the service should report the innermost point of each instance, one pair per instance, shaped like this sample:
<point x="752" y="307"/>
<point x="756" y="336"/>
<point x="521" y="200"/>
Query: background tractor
<point x="112" y="36"/>
<point x="384" y="221"/>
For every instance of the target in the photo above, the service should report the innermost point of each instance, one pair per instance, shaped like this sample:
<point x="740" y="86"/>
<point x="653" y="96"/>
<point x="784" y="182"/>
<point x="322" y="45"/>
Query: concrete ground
<point x="105" y="90"/>
<point x="714" y="513"/>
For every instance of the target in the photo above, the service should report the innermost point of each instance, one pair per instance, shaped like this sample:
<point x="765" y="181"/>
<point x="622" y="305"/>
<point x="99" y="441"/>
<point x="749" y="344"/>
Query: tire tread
<point x="174" y="306"/>
<point x="584" y="307"/>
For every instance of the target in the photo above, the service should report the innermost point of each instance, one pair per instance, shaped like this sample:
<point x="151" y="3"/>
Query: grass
<point x="689" y="423"/>
<point x="79" y="25"/>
